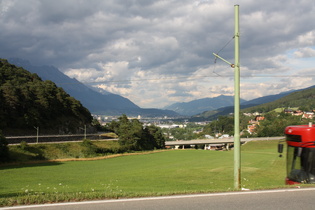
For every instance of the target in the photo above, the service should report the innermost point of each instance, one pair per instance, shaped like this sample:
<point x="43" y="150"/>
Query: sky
<point x="157" y="53"/>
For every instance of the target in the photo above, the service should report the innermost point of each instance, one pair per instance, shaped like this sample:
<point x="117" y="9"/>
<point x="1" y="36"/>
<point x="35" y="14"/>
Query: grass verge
<point x="72" y="150"/>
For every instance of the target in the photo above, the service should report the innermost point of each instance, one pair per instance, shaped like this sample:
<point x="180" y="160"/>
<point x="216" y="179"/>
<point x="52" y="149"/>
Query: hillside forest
<point x="27" y="102"/>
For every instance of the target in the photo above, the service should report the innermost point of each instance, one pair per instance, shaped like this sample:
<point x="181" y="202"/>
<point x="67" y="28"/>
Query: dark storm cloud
<point x="117" y="39"/>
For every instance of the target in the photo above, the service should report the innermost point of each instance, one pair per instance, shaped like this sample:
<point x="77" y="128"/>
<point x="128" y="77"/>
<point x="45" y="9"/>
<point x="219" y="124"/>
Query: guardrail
<point x="78" y="137"/>
<point x="52" y="138"/>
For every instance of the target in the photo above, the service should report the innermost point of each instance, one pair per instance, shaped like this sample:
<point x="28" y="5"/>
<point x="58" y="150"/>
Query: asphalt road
<point x="299" y="198"/>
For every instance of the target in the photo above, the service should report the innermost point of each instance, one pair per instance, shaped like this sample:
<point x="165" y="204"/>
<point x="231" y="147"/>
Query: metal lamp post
<point x="37" y="132"/>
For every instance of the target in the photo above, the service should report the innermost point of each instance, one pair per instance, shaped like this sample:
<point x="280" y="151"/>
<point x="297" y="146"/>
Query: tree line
<point x="132" y="135"/>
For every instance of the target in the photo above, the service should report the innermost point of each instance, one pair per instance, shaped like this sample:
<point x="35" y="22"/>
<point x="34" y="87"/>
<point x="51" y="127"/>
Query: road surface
<point x="298" y="198"/>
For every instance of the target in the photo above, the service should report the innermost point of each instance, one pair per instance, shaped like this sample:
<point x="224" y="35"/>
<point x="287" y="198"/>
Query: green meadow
<point x="166" y="172"/>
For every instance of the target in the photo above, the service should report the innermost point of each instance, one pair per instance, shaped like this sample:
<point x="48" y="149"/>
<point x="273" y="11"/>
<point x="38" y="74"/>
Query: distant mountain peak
<point x="201" y="105"/>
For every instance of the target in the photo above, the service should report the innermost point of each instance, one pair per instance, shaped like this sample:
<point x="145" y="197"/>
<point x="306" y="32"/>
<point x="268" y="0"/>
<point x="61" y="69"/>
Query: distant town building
<point x="224" y="136"/>
<point x="209" y="137"/>
<point x="252" y="124"/>
<point x="308" y="115"/>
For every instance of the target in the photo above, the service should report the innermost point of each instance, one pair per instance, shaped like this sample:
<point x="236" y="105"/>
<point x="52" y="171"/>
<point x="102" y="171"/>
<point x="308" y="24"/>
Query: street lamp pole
<point x="84" y="129"/>
<point x="37" y="129"/>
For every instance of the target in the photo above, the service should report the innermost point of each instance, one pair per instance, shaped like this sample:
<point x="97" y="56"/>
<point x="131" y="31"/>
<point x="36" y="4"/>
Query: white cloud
<point x="305" y="52"/>
<point x="307" y="38"/>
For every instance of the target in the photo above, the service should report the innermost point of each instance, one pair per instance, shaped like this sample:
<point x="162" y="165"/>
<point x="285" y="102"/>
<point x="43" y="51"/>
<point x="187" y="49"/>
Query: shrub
<point x="63" y="147"/>
<point x="23" y="145"/>
<point x="89" y="149"/>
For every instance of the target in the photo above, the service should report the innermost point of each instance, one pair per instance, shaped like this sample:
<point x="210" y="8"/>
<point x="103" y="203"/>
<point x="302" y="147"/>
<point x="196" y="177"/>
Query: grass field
<point x="159" y="173"/>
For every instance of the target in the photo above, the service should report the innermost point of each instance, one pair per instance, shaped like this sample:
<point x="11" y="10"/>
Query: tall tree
<point x="133" y="136"/>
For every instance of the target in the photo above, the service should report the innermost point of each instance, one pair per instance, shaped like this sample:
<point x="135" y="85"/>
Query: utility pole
<point x="236" y="66"/>
<point x="237" y="143"/>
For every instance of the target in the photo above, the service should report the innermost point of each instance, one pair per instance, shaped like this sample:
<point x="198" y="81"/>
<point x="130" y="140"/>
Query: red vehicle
<point x="300" y="154"/>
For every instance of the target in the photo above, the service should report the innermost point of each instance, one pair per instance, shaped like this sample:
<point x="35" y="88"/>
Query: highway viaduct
<point x="214" y="143"/>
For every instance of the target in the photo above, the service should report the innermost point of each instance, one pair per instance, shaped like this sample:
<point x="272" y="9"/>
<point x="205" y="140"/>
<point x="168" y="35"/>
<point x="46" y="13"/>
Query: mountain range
<point x="105" y="103"/>
<point x="302" y="98"/>
<point x="219" y="103"/>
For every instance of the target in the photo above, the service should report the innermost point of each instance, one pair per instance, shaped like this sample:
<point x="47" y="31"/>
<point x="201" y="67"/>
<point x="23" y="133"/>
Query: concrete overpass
<point x="213" y="143"/>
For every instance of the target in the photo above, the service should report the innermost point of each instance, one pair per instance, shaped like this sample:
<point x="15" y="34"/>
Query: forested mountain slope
<point x="303" y="99"/>
<point x="27" y="102"/>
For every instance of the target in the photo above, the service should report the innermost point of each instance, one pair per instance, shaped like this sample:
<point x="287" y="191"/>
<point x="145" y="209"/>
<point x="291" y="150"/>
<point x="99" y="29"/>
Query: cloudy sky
<point x="156" y="53"/>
